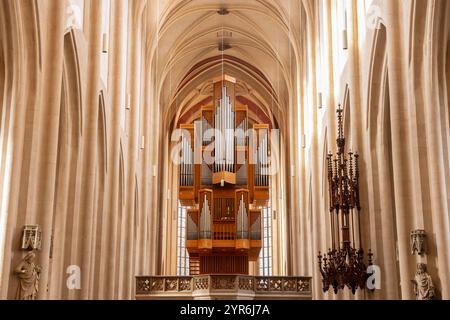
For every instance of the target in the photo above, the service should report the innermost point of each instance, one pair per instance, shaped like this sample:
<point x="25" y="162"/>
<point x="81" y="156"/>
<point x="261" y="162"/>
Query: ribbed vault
<point x="259" y="40"/>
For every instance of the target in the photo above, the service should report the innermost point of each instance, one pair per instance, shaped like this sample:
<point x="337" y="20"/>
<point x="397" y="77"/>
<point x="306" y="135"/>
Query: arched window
<point x="182" y="254"/>
<point x="265" y="256"/>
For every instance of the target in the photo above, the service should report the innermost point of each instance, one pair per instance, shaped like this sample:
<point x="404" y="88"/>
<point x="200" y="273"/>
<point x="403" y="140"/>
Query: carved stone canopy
<point x="32" y="238"/>
<point x="418" y="242"/>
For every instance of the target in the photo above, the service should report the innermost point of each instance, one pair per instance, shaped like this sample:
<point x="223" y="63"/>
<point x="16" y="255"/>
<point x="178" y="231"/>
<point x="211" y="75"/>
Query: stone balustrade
<point x="210" y="287"/>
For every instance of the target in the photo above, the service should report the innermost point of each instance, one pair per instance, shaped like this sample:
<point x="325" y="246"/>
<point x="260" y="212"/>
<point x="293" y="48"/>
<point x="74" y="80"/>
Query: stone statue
<point x="423" y="284"/>
<point x="28" y="273"/>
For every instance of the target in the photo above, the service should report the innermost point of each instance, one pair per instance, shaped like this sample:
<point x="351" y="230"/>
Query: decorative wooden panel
<point x="224" y="265"/>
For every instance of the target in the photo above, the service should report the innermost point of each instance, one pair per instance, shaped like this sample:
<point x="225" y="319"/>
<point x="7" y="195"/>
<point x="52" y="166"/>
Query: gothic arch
<point x="101" y="172"/>
<point x="102" y="136"/>
<point x="121" y="179"/>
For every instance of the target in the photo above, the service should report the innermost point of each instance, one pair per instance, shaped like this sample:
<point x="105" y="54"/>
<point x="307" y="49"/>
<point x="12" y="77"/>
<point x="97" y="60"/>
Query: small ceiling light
<point x="105" y="45"/>
<point x="223" y="12"/>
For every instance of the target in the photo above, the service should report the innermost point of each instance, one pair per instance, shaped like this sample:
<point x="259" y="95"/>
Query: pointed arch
<point x="102" y="136"/>
<point x="72" y="79"/>
<point x="378" y="62"/>
<point x="121" y="179"/>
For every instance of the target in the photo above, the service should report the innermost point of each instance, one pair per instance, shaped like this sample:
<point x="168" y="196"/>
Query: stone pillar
<point x="22" y="74"/>
<point x="48" y="127"/>
<point x="146" y="166"/>
<point x="116" y="85"/>
<point x="436" y="146"/>
<point x="133" y="145"/>
<point x="387" y="215"/>
<point x="400" y="155"/>
<point x="156" y="190"/>
<point x="89" y="149"/>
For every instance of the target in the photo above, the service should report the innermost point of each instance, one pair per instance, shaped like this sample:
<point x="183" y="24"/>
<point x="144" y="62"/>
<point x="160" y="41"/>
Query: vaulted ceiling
<point x="259" y="40"/>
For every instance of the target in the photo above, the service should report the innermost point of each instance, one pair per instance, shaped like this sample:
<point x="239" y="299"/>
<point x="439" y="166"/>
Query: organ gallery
<point x="225" y="196"/>
<point x="224" y="150"/>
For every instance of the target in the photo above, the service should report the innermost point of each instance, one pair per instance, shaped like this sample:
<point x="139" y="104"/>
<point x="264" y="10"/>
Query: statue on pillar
<point x="28" y="273"/>
<point x="423" y="284"/>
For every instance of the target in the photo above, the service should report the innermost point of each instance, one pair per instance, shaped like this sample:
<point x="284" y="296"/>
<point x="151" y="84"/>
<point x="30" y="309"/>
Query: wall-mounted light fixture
<point x="105" y="44"/>
<point x="320" y="100"/>
<point x="345" y="33"/>
<point x="303" y="141"/>
<point x="128" y="104"/>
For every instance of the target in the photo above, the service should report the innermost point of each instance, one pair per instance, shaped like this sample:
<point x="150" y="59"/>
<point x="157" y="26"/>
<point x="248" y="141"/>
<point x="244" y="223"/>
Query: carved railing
<point x="146" y="285"/>
<point x="259" y="286"/>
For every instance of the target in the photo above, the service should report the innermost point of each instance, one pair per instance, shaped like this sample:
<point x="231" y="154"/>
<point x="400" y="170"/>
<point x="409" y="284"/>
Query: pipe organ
<point x="187" y="161"/>
<point x="226" y="186"/>
<point x="262" y="159"/>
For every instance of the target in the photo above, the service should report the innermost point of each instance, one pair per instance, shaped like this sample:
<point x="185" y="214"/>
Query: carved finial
<point x="341" y="138"/>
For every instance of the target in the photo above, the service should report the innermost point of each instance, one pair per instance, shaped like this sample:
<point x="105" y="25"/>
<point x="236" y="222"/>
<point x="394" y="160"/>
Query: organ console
<point x="225" y="192"/>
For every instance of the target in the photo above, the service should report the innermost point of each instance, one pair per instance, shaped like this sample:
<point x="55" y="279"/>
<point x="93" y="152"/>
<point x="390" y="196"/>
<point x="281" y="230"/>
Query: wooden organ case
<point x="226" y="186"/>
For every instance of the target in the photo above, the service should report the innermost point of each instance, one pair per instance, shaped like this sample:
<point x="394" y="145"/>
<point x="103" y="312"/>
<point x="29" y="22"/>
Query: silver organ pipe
<point x="205" y="220"/>
<point x="262" y="161"/>
<point x="242" y="131"/>
<point x="241" y="175"/>
<point x="256" y="229"/>
<point x="224" y="124"/>
<point x="192" y="228"/>
<point x="265" y="163"/>
<point x="242" y="220"/>
<point x="182" y="161"/>
<point x="187" y="162"/>
<point x="206" y="126"/>
<point x="206" y="177"/>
